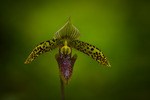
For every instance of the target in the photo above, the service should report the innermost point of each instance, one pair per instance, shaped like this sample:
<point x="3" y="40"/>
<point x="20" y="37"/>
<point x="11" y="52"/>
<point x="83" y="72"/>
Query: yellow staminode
<point x="66" y="50"/>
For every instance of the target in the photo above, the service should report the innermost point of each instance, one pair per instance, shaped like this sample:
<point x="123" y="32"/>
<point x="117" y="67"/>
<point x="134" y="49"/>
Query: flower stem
<point x="62" y="89"/>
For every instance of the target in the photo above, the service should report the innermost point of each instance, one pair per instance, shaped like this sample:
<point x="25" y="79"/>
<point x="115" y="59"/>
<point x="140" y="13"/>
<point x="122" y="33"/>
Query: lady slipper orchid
<point x="66" y="39"/>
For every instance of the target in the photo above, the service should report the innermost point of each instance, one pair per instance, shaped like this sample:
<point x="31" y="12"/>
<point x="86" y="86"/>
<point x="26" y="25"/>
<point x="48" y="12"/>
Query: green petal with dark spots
<point x="91" y="51"/>
<point x="42" y="48"/>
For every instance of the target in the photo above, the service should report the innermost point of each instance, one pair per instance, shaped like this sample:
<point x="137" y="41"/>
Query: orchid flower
<point x="65" y="39"/>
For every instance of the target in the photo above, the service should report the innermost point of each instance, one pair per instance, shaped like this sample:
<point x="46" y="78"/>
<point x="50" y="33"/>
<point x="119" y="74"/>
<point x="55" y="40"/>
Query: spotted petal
<point x="91" y="51"/>
<point x="42" y="48"/>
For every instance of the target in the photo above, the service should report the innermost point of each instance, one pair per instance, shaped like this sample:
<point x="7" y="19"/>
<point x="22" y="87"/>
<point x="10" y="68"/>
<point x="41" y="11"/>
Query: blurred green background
<point x="120" y="28"/>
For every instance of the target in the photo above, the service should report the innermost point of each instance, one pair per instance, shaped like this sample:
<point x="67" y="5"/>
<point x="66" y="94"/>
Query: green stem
<point x="62" y="89"/>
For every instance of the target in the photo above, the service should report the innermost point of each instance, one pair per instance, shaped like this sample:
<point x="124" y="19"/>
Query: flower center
<point x="65" y="50"/>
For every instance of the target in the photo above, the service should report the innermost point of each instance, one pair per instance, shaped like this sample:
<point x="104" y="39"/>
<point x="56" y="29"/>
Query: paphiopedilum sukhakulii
<point x="66" y="39"/>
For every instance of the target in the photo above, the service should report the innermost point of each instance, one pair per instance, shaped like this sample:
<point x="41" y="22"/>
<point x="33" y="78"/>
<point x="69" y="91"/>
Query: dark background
<point x="120" y="28"/>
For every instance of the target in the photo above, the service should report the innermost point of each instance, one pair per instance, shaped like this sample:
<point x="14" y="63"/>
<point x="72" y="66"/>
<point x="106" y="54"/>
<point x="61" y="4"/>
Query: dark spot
<point x="87" y="47"/>
<point x="35" y="49"/>
<point x="41" y="43"/>
<point x="44" y="46"/>
<point x="92" y="49"/>
<point x="97" y="57"/>
<point x="96" y="53"/>
<point x="48" y="42"/>
<point x="87" y="44"/>
<point x="40" y="49"/>
<point x="90" y="52"/>
<point x="53" y="40"/>
<point x="47" y="47"/>
<point x="103" y="55"/>
<point x="93" y="53"/>
<point x="98" y="49"/>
